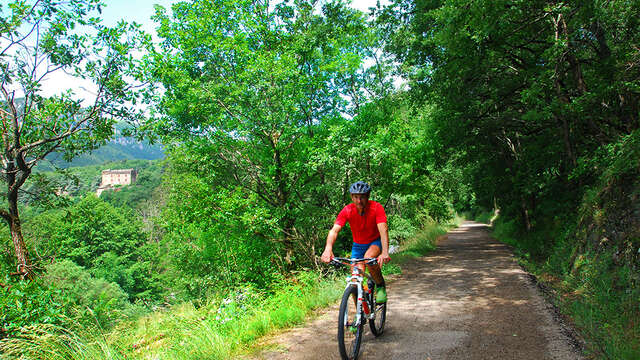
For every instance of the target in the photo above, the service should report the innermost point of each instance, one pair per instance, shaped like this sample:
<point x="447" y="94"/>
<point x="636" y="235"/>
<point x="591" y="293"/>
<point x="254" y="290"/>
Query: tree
<point x="252" y="89"/>
<point x="40" y="39"/>
<point x="522" y="90"/>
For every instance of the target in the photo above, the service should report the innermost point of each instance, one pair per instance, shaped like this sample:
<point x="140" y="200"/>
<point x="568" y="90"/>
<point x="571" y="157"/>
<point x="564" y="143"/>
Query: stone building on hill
<point x="113" y="178"/>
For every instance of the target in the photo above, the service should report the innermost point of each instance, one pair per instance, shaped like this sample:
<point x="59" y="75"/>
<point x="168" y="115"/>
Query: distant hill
<point x="78" y="180"/>
<point x="116" y="150"/>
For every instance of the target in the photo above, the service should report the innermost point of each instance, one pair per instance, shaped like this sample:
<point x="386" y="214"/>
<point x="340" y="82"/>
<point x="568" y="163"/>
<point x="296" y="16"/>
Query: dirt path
<point x="467" y="300"/>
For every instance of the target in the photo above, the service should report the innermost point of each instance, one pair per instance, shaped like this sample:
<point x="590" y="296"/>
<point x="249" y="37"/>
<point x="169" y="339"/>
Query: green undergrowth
<point x="221" y="327"/>
<point x="423" y="242"/>
<point x="485" y="217"/>
<point x="597" y="292"/>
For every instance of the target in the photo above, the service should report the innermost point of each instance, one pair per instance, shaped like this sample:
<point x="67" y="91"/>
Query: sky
<point x="139" y="11"/>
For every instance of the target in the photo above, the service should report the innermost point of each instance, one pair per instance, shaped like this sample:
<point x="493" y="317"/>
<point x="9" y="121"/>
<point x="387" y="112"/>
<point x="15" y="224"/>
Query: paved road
<point x="467" y="300"/>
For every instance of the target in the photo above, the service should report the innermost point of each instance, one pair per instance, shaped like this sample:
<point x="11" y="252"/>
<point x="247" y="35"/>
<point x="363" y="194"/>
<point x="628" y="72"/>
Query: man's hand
<point x="384" y="258"/>
<point x="327" y="255"/>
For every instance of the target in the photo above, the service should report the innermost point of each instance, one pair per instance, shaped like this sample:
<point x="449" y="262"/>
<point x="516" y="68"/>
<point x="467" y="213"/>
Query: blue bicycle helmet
<point x="360" y="187"/>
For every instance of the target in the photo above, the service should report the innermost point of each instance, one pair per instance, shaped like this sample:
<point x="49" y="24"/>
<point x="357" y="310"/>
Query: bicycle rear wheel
<point x="349" y="327"/>
<point x="377" y="324"/>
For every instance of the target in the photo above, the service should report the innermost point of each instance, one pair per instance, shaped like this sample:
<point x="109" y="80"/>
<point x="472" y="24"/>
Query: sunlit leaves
<point x="258" y="86"/>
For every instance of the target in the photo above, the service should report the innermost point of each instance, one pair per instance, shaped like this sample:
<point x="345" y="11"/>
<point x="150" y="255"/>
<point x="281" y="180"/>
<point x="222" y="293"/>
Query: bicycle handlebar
<point x="352" y="261"/>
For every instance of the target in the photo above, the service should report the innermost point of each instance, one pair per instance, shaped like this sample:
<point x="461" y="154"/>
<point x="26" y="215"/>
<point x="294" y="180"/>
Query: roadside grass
<point x="227" y="327"/>
<point x="46" y="341"/>
<point x="423" y="242"/>
<point x="223" y="327"/>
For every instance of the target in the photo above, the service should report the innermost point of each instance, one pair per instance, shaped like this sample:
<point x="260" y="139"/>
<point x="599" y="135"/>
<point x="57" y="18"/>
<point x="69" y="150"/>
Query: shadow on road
<point x="469" y="299"/>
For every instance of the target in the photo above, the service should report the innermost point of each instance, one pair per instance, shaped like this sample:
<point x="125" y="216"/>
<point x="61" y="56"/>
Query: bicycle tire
<point x="349" y="334"/>
<point x="377" y="324"/>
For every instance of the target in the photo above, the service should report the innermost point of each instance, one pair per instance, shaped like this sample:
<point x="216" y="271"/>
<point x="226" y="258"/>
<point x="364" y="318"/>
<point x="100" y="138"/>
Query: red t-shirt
<point x="363" y="227"/>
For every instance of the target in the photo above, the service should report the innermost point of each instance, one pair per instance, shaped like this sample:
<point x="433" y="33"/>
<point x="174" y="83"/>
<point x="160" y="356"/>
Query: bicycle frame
<point x="356" y="278"/>
<point x="357" y="306"/>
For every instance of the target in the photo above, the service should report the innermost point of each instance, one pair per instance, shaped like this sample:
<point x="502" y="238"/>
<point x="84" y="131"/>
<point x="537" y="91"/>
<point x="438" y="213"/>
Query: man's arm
<point x="384" y="239"/>
<point x="327" y="255"/>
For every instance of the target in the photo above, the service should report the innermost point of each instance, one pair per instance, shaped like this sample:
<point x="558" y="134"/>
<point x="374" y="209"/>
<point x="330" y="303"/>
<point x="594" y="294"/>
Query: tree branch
<point x="12" y="41"/>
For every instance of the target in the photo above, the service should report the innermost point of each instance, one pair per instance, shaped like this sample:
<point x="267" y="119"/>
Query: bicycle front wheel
<point x="349" y="326"/>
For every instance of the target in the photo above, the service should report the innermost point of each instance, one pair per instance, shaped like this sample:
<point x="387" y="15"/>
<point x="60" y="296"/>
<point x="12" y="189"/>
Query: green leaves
<point x="43" y="40"/>
<point x="522" y="89"/>
<point x="257" y="87"/>
<point x="63" y="38"/>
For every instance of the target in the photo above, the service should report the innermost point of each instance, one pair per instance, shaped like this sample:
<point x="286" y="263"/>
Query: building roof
<point x="118" y="171"/>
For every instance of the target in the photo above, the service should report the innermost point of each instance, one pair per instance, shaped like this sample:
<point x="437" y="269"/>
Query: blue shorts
<point x="358" y="250"/>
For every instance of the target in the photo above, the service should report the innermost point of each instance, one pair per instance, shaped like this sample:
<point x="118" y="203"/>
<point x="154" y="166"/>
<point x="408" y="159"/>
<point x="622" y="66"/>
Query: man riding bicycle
<point x="370" y="233"/>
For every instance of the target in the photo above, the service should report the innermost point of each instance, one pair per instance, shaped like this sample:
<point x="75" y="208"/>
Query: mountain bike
<point x="358" y="306"/>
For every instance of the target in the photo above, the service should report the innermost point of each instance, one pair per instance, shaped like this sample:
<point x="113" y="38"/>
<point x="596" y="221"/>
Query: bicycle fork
<point x="362" y="305"/>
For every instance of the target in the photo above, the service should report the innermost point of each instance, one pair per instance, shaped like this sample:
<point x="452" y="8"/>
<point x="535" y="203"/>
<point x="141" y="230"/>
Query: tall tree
<point x="252" y="88"/>
<point x="42" y="43"/>
<point x="523" y="89"/>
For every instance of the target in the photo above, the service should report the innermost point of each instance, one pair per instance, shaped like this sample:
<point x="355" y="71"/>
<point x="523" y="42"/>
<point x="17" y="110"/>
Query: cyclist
<point x="370" y="233"/>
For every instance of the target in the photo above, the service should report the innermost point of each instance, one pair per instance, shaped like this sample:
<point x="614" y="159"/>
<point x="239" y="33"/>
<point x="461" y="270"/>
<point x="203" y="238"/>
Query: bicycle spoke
<point x="350" y="328"/>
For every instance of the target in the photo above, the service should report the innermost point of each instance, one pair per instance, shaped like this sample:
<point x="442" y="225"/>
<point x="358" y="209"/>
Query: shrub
<point x="64" y="295"/>
<point x="24" y="303"/>
<point x="484" y="217"/>
<point x="83" y="296"/>
<point x="400" y="228"/>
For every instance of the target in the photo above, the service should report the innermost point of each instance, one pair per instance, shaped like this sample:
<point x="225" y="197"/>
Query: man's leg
<point x="376" y="274"/>
<point x="373" y="252"/>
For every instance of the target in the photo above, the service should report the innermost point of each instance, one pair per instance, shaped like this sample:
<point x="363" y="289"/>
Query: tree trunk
<point x="289" y="232"/>
<point x="23" y="265"/>
<point x="12" y="217"/>
<point x="566" y="137"/>
<point x="22" y="256"/>
<point x="287" y="223"/>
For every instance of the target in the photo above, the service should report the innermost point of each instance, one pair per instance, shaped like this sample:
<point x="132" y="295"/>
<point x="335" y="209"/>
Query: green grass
<point x="221" y="328"/>
<point x="45" y="341"/>
<point x="423" y="242"/>
<point x="604" y="302"/>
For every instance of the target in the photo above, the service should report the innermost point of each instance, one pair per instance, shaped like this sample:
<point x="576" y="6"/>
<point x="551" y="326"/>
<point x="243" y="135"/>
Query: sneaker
<point x="381" y="295"/>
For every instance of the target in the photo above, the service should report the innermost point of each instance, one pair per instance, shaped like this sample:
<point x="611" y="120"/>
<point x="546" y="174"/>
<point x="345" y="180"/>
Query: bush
<point x="400" y="228"/>
<point x="106" y="241"/>
<point x="84" y="297"/>
<point x="438" y="209"/>
<point x="484" y="217"/>
<point x="66" y="294"/>
<point x="24" y="303"/>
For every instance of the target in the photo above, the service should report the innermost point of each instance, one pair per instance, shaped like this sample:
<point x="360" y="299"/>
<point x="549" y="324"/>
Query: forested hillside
<point x="79" y="180"/>
<point x="266" y="113"/>
<point x="118" y="149"/>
